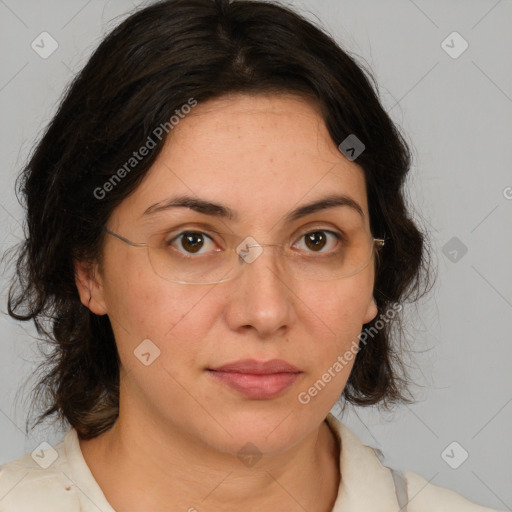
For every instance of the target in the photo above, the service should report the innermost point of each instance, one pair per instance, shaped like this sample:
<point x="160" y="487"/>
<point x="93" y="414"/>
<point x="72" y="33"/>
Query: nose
<point x="262" y="297"/>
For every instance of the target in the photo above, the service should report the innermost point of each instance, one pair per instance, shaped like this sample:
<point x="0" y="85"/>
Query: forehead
<point x="260" y="155"/>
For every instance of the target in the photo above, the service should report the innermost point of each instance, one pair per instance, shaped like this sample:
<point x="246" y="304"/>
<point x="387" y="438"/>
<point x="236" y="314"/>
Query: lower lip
<point x="257" y="387"/>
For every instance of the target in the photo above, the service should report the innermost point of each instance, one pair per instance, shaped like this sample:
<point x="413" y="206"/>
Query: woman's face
<point x="261" y="157"/>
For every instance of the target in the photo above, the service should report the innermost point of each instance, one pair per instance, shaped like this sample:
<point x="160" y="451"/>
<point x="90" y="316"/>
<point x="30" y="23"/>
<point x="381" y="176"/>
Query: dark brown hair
<point x="145" y="69"/>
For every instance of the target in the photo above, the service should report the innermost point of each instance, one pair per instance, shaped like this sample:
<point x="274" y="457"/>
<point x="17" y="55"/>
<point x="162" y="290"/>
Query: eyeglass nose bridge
<point x="245" y="249"/>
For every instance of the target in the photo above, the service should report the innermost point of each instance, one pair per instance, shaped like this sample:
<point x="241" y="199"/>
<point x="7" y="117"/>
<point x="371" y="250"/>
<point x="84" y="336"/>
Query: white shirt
<point x="367" y="485"/>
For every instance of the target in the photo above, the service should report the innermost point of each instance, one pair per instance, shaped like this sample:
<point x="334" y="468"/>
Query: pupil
<point x="316" y="240"/>
<point x="192" y="242"/>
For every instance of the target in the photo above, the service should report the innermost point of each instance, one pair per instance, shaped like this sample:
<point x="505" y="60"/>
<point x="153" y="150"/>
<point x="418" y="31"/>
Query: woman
<point x="216" y="221"/>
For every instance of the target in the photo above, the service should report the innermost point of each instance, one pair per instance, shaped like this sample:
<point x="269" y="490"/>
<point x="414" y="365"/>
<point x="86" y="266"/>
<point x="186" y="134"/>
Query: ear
<point x="371" y="311"/>
<point x="90" y="286"/>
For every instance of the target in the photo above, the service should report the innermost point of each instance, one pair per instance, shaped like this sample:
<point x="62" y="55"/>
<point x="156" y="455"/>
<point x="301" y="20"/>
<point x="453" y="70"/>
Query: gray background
<point x="456" y="112"/>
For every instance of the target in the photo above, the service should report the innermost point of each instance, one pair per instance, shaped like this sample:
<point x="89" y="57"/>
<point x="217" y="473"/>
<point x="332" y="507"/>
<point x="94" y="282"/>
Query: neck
<point x="134" y="457"/>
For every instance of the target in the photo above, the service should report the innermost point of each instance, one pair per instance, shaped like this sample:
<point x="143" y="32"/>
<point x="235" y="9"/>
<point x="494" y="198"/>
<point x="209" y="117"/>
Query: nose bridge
<point x="261" y="297"/>
<point x="268" y="256"/>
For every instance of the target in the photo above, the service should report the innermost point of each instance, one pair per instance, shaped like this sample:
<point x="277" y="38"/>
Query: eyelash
<point x="339" y="237"/>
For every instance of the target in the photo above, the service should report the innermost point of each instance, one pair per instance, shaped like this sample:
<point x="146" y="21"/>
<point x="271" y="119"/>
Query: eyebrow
<point x="222" y="211"/>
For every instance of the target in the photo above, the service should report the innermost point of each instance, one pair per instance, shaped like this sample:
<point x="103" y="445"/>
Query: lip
<point x="257" y="367"/>
<point x="258" y="380"/>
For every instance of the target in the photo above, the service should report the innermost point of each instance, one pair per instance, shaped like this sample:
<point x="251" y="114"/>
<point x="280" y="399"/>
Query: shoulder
<point x="40" y="481"/>
<point x="369" y="482"/>
<point x="424" y="496"/>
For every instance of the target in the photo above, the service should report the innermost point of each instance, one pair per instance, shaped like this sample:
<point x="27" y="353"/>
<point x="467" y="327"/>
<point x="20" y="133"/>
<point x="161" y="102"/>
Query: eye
<point x="317" y="241"/>
<point x="191" y="242"/>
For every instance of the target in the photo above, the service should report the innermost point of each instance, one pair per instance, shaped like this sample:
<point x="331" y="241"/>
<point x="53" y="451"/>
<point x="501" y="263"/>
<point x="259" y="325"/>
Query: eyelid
<point x="339" y="235"/>
<point x="183" y="231"/>
<point x="172" y="233"/>
<point x="176" y="240"/>
<point x="201" y="227"/>
<point x="319" y="226"/>
<point x="338" y="240"/>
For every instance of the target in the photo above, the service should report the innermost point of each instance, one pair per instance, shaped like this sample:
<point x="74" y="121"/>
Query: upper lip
<point x="257" y="367"/>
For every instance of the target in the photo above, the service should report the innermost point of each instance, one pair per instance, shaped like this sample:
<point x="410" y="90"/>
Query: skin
<point x="179" y="430"/>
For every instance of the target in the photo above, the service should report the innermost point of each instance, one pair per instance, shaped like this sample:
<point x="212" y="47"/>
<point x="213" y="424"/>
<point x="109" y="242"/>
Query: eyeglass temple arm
<point x="379" y="241"/>
<point x="123" y="239"/>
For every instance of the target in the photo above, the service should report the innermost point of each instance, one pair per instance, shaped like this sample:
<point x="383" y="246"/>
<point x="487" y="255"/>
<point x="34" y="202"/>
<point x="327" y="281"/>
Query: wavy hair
<point x="142" y="72"/>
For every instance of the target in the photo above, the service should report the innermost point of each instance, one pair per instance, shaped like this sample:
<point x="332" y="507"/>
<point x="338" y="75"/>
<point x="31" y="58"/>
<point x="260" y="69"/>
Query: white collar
<point x="365" y="483"/>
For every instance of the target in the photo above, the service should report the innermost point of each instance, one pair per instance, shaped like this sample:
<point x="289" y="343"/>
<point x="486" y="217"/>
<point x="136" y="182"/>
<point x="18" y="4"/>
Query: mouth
<point x="257" y="380"/>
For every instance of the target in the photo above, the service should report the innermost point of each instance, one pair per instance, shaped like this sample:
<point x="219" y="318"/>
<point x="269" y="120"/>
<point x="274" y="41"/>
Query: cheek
<point x="143" y="306"/>
<point x="336" y="317"/>
<point x="341" y="305"/>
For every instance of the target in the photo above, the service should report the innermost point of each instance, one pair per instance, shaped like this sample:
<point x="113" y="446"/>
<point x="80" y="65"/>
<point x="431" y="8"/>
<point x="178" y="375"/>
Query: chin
<point x="268" y="431"/>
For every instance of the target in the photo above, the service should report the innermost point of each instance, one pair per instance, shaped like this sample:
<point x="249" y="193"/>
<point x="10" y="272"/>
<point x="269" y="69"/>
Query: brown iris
<point x="192" y="242"/>
<point x="316" y="240"/>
